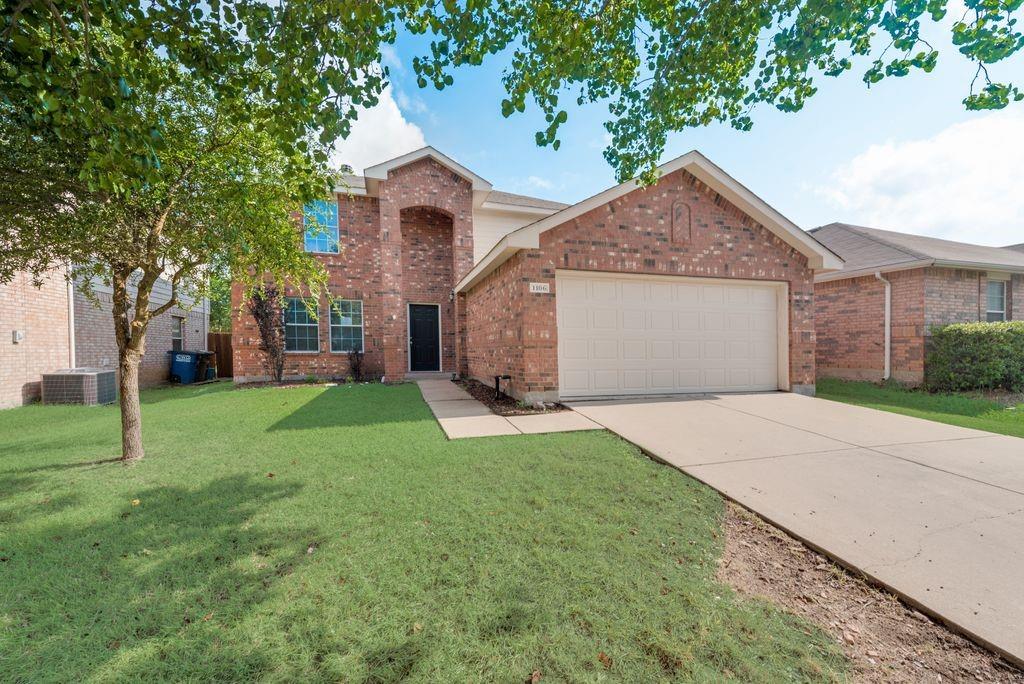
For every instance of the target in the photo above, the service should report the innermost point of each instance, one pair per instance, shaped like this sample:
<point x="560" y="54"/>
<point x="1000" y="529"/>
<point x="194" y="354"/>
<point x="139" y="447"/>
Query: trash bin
<point x="185" y="366"/>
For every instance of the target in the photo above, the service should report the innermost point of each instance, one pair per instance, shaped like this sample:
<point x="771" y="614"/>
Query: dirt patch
<point x="505" y="405"/>
<point x="886" y="640"/>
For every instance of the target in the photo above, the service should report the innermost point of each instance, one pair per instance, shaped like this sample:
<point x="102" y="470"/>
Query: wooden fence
<point x="220" y="344"/>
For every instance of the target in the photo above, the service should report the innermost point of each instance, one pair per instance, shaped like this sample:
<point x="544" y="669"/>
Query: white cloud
<point x="964" y="183"/>
<point x="539" y="183"/>
<point x="379" y="134"/>
<point x="389" y="57"/>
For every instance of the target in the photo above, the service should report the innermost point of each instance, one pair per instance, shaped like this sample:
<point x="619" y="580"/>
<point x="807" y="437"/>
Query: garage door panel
<point x="662" y="349"/>
<point x="604" y="349"/>
<point x="659" y="319"/>
<point x="575" y="348"/>
<point x="573" y="318"/>
<point x="641" y="335"/>
<point x="687" y="295"/>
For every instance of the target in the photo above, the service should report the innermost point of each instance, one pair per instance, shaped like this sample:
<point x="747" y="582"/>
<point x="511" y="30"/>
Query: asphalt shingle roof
<point x="870" y="248"/>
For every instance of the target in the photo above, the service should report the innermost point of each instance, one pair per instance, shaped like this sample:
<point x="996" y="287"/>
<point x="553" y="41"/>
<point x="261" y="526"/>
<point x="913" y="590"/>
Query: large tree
<point x="660" y="65"/>
<point x="222" y="192"/>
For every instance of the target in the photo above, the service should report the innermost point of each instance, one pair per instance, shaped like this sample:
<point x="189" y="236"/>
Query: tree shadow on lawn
<point x="354" y="406"/>
<point x="162" y="393"/>
<point x="157" y="590"/>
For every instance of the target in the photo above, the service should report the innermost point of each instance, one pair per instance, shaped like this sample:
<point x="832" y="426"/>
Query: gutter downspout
<point x="888" y="325"/>
<point x="71" y="321"/>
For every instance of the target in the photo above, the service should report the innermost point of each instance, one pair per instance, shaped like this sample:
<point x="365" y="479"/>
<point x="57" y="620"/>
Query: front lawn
<point x="965" y="410"/>
<point x="333" y="534"/>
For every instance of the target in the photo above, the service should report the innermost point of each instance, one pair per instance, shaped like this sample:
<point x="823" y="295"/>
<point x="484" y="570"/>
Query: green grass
<point x="333" y="534"/>
<point x="956" y="409"/>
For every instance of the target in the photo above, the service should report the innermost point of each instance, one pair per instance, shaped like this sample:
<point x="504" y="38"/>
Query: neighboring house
<point x="691" y="285"/>
<point x="34" y="335"/>
<point x="921" y="282"/>
<point x="183" y="327"/>
<point x="38" y="326"/>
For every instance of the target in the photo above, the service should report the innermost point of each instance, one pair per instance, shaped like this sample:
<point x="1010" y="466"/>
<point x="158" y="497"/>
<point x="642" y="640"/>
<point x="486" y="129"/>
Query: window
<point x="996" y="310"/>
<point x="346" y="325"/>
<point x="301" y="330"/>
<point x="320" y="221"/>
<point x="177" y="333"/>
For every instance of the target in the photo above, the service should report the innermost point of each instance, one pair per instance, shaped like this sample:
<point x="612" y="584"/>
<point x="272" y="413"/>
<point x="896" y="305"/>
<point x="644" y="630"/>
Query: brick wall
<point x="408" y="245"/>
<point x="850" y="322"/>
<point x="510" y="330"/>
<point x="427" y="270"/>
<point x="42" y="315"/>
<point x="954" y="296"/>
<point x="96" y="346"/>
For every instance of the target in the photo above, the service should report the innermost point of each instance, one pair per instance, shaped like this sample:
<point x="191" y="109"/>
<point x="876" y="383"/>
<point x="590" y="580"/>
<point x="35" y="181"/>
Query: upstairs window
<point x="301" y="330"/>
<point x="996" y="309"/>
<point x="346" y="325"/>
<point x="320" y="223"/>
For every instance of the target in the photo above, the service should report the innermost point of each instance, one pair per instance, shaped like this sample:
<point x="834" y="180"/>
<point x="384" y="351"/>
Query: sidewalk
<point x="462" y="416"/>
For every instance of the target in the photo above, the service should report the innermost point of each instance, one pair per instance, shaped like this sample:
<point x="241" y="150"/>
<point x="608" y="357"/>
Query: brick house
<point x="55" y="326"/>
<point x="916" y="283"/>
<point x="181" y="327"/>
<point x="691" y="285"/>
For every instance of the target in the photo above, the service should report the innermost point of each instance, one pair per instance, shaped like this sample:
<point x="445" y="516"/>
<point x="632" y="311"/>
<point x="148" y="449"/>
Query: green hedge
<point x="967" y="356"/>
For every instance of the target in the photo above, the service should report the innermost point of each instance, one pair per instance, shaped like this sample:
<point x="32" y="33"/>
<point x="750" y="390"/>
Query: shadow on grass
<point x="354" y="406"/>
<point x="157" y="590"/>
<point x="156" y="395"/>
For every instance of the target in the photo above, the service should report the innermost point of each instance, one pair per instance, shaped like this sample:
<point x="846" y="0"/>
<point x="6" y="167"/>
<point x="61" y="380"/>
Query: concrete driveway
<point x="934" y="512"/>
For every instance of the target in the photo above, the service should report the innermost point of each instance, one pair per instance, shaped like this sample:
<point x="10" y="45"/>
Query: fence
<point x="220" y="344"/>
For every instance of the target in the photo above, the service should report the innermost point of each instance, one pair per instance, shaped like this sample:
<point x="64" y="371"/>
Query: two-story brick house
<point x="693" y="284"/>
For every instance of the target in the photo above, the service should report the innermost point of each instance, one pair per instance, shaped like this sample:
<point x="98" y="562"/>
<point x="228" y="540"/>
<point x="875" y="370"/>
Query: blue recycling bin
<point x="185" y="365"/>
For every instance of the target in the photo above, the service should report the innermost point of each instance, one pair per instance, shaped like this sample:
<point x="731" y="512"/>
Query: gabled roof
<point x="380" y="171"/>
<point x="508" y="198"/>
<point x="528" y="237"/>
<point x="483" y="193"/>
<point x="869" y="250"/>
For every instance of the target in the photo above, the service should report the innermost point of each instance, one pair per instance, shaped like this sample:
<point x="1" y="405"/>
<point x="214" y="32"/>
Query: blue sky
<point x="903" y="154"/>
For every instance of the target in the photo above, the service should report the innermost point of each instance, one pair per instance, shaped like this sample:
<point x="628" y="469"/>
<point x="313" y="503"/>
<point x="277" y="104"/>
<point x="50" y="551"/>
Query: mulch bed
<point x="504" y="405"/>
<point x="885" y="640"/>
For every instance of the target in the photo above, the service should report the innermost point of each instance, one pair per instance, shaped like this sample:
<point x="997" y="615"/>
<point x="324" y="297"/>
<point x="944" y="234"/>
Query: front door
<point x="424" y="337"/>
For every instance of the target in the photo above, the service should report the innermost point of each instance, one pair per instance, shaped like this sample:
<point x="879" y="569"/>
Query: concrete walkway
<point x="461" y="416"/>
<point x="933" y="511"/>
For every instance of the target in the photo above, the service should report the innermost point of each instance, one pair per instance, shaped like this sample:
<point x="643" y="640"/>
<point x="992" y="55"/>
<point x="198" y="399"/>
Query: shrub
<point x="355" y="364"/>
<point x="266" y="307"/>
<point x="966" y="356"/>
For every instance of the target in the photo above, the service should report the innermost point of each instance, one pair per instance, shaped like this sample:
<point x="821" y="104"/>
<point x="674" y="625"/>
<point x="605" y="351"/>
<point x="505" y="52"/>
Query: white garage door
<point x="628" y="335"/>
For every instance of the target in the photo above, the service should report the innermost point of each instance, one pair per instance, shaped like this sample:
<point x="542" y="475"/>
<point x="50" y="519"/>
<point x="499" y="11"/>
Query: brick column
<point x="395" y="337"/>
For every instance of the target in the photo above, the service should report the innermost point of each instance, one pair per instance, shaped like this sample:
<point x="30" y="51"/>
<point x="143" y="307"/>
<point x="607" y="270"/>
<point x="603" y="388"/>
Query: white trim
<point x="362" y="325"/>
<point x="516" y="208"/>
<point x="1001" y="312"/>
<point x="1003" y="274"/>
<point x="887" y="337"/>
<point x="781" y="288"/>
<point x="306" y="351"/>
<point x="71" y="319"/>
<point x="408" y="333"/>
<point x="819" y="257"/>
<point x="380" y="171"/>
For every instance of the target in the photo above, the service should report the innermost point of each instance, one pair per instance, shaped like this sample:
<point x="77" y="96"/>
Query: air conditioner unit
<point x="88" y="386"/>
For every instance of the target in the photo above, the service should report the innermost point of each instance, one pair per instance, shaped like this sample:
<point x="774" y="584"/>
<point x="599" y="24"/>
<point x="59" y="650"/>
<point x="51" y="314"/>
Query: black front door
<point x="424" y="337"/>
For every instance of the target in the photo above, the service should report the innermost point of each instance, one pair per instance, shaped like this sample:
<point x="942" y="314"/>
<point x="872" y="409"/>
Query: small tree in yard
<point x="223" y="192"/>
<point x="265" y="306"/>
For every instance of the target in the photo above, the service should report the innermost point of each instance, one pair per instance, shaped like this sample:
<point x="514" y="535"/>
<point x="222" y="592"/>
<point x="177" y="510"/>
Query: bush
<point x="967" y="356"/>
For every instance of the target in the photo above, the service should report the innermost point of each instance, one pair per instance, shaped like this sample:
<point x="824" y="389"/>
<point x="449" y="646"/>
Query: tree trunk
<point x="131" y="414"/>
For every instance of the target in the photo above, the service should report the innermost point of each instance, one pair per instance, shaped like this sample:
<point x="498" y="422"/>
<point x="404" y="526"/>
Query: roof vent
<point x="89" y="386"/>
